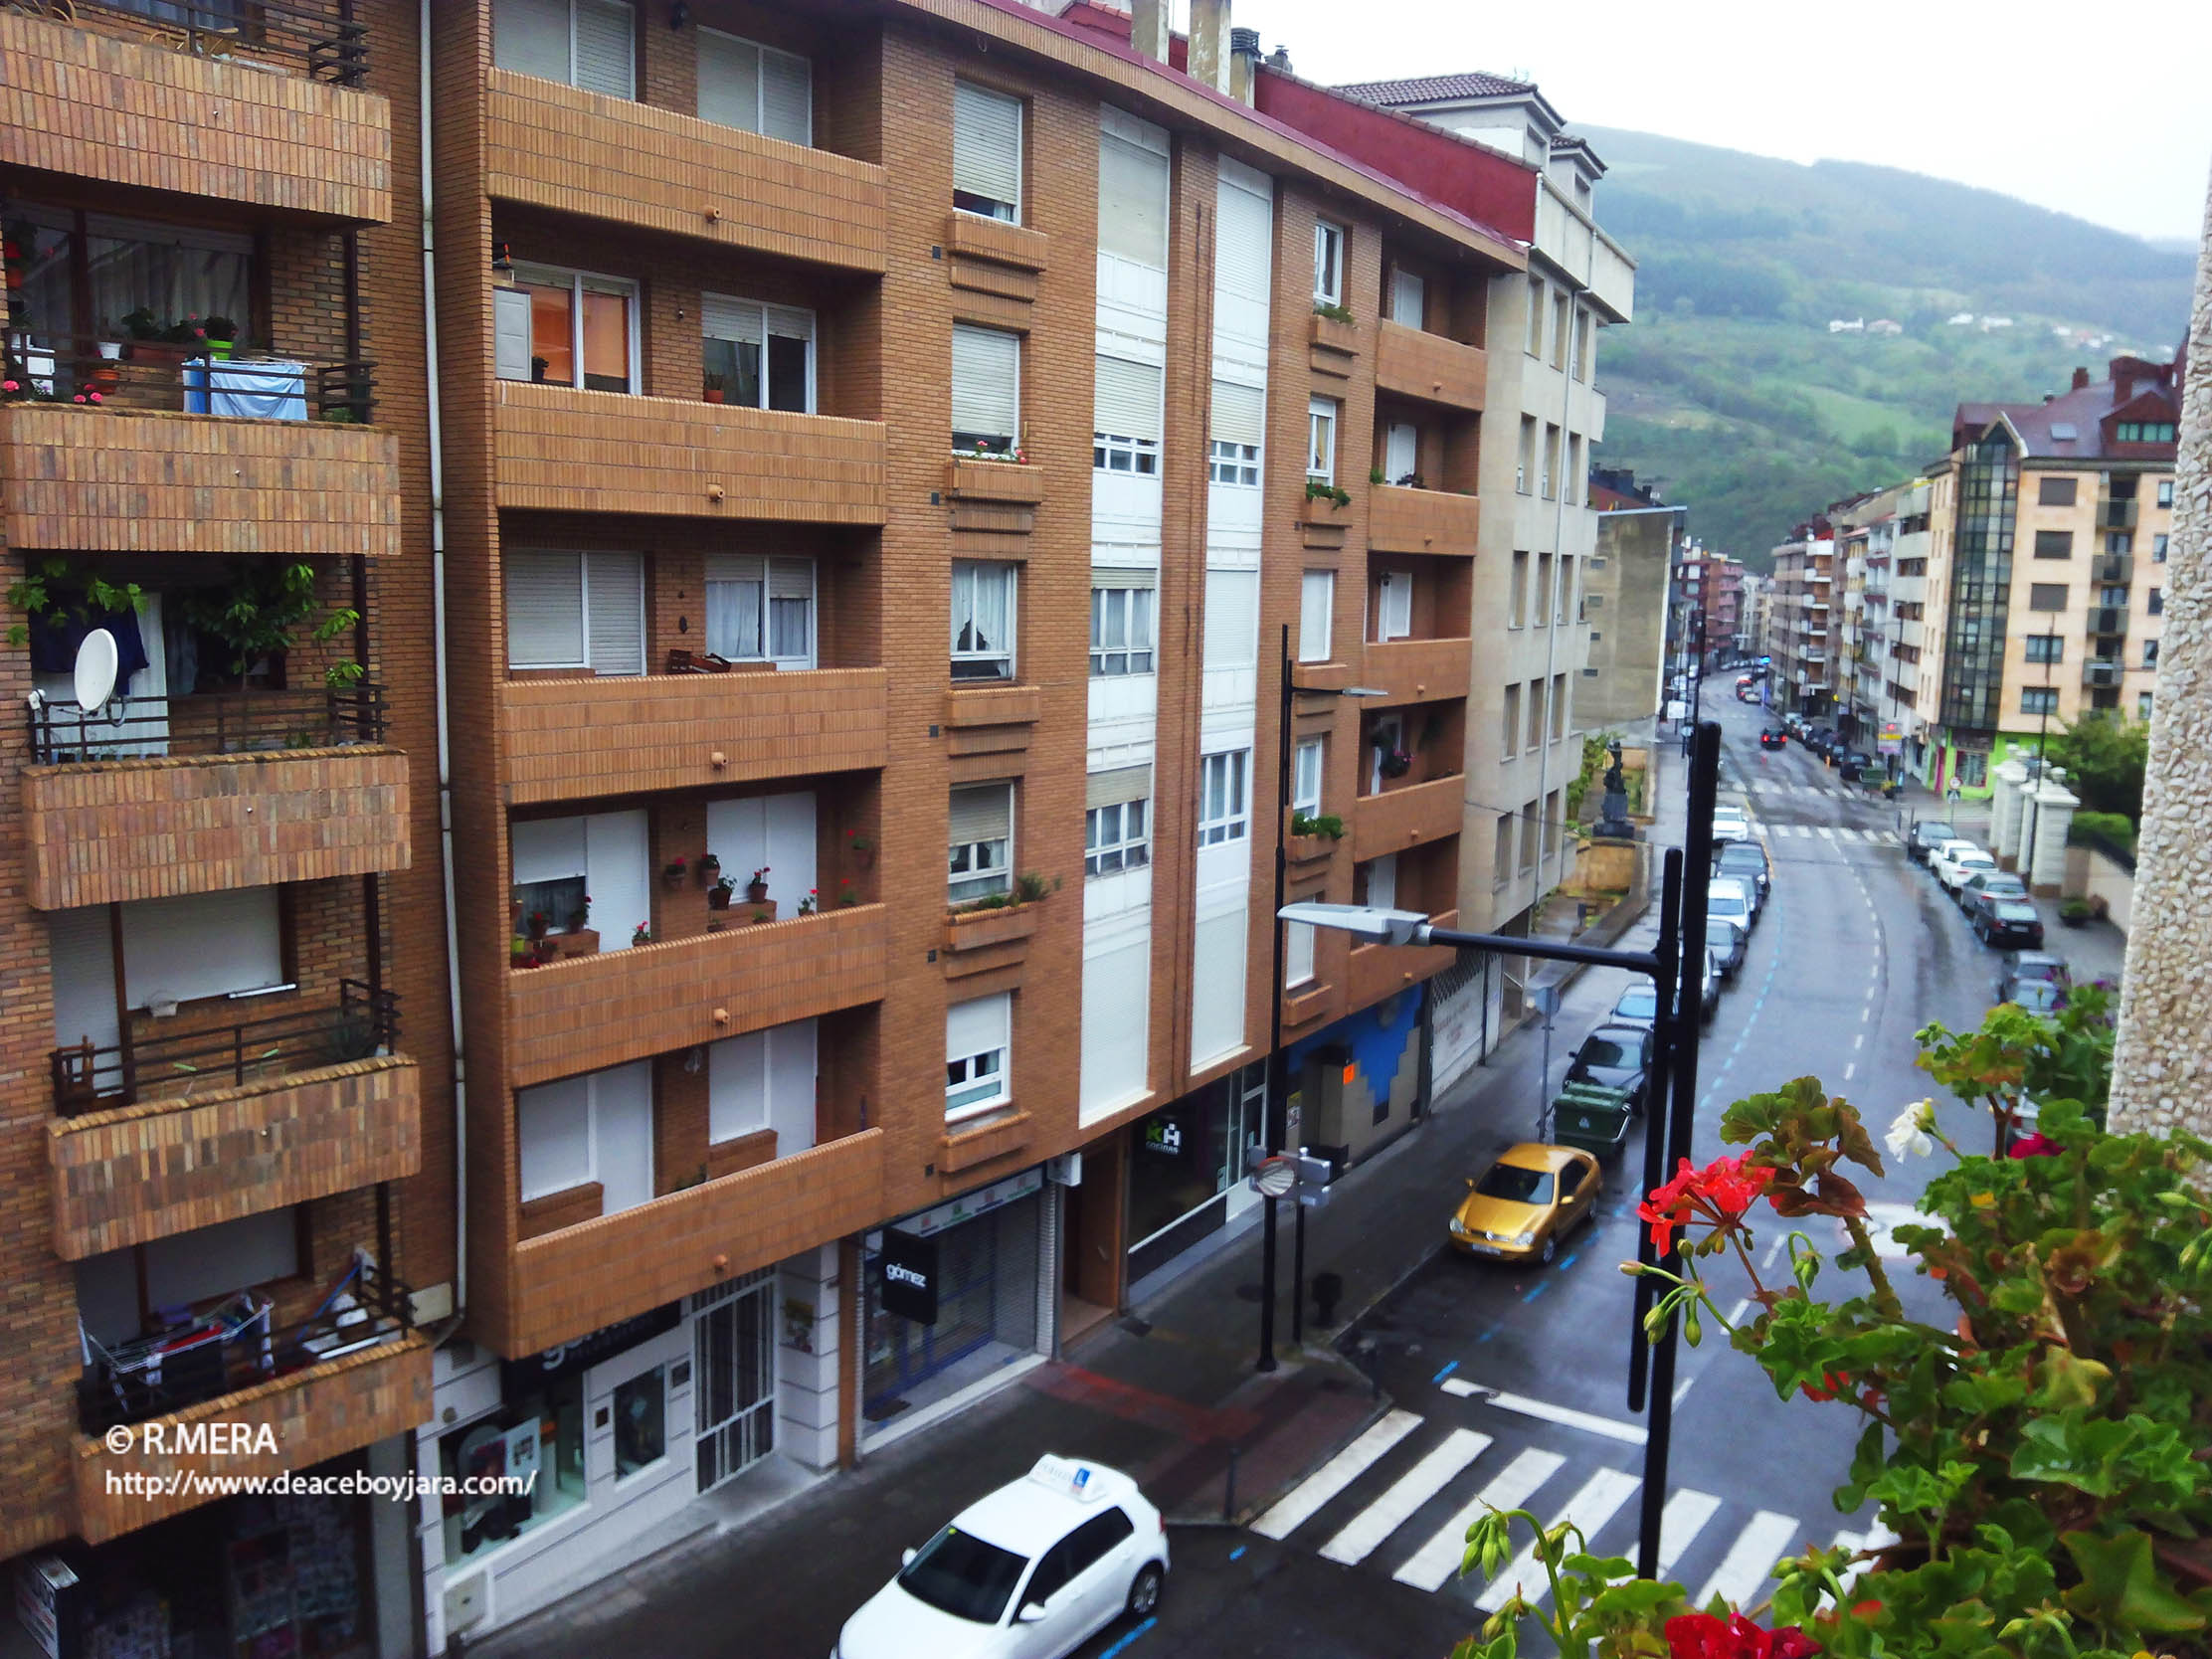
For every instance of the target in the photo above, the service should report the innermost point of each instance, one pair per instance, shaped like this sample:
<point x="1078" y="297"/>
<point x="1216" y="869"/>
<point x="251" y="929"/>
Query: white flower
<point x="1907" y="1136"/>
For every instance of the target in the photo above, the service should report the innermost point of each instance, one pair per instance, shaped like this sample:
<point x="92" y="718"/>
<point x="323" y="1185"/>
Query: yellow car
<point x="1526" y="1202"/>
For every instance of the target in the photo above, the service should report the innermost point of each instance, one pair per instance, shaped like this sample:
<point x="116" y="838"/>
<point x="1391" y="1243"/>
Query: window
<point x="1328" y="262"/>
<point x="987" y="152"/>
<point x="1511" y="737"/>
<point x="978" y="1035"/>
<point x="2157" y="603"/>
<point x="588" y="44"/>
<point x="1550" y="460"/>
<point x="2143" y="432"/>
<point x="582" y="1130"/>
<point x="2055" y="493"/>
<point x="2044" y="647"/>
<point x="2158" y="550"/>
<point x="1542" y="605"/>
<point x="980" y="859"/>
<point x="1393" y="605"/>
<point x="1317" y="599"/>
<point x="1409" y="299"/>
<point x="1133" y="192"/>
<point x="1583" y="327"/>
<point x="2054" y="544"/>
<point x="2150" y="654"/>
<point x="576" y="611"/>
<point x="982" y="619"/>
<point x="764" y="1081"/>
<point x="2121" y="489"/>
<point x="2120" y="541"/>
<point x="761" y="610"/>
<point x="755" y="87"/>
<point x="1559" y="707"/>
<point x="2115" y="594"/>
<point x="1516" y="596"/>
<point x="1402" y="453"/>
<point x="1571" y="486"/>
<point x="758" y="356"/>
<point x="987" y="390"/>
<point x="1566" y="595"/>
<point x="1532" y="831"/>
<point x="548" y="1440"/>
<point x="1535" y="714"/>
<point x="567" y="328"/>
<point x="2047" y="595"/>
<point x="1223" y="811"/>
<point x="1561" y="329"/>
<point x="1116" y="829"/>
<point x="2165" y="492"/>
<point x="1298" y="954"/>
<point x="1235" y="423"/>
<point x="1501" y="860"/>
<point x="1127" y="417"/>
<point x="2143" y="705"/>
<point x="2039" y="699"/>
<point x="1305" y="775"/>
<point x="1321" y="445"/>
<point x="1523" y="470"/>
<point x="641" y="1421"/>
<point x="1535" y="343"/>
<point x="1121" y="623"/>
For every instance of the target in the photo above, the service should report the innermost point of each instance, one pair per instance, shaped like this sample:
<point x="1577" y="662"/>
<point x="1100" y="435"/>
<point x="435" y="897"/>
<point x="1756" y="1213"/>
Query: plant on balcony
<point x="222" y="334"/>
<point x="1375" y="475"/>
<point x="807" y="905"/>
<point x="581" y="916"/>
<point x="537" y="923"/>
<point x="1319" y="490"/>
<point x="846" y="897"/>
<point x="1322" y="824"/>
<point x="676" y="872"/>
<point x="1334" y="314"/>
<point x="1010" y="452"/>
<point x="714" y="390"/>
<point x="862" y="847"/>
<point x="55" y="593"/>
<point x="641" y="934"/>
<point x="718" y="895"/>
<point x="521" y="953"/>
<point x="142" y="324"/>
<point x="340" y="416"/>
<point x="755" y="889"/>
<point x="710" y="868"/>
<point x="259" y="613"/>
<point x="1393" y="763"/>
<point x="761" y="916"/>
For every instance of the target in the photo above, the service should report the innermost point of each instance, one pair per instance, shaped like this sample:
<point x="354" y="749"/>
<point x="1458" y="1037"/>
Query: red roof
<point x="2076" y="424"/>
<point x="1432" y="89"/>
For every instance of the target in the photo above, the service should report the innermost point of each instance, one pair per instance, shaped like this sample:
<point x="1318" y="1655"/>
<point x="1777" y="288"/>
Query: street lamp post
<point x="1682" y="896"/>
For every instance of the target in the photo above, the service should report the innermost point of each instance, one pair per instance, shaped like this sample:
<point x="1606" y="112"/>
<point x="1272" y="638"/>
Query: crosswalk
<point x="1400" y="1498"/>
<point x="1834" y="832"/>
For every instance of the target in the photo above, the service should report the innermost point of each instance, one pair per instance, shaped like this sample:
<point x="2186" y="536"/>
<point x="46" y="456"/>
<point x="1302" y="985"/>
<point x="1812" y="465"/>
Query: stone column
<point x="2049" y="818"/>
<point x="807" y="1302"/>
<point x="2162" y="1066"/>
<point x="2004" y="811"/>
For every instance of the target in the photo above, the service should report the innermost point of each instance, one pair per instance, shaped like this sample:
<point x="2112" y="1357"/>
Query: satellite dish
<point x="96" y="670"/>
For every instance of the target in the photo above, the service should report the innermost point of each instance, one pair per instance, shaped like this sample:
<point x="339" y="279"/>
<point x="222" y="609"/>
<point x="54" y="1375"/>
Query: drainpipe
<point x="445" y="736"/>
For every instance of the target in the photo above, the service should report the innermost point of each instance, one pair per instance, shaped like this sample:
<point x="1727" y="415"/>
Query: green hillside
<point x="1730" y="388"/>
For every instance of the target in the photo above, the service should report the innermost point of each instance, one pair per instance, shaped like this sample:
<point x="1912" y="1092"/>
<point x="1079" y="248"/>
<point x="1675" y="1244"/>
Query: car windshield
<point x="1728" y="905"/>
<point x="1515" y="1184"/>
<point x="2028" y="967"/>
<point x="1934" y="834"/>
<point x="1638" y="1005"/>
<point x="1604" y="1051"/>
<point x="2036" y="995"/>
<point x="958" y="1573"/>
<point x="1741" y="858"/>
<point x="2013" y="910"/>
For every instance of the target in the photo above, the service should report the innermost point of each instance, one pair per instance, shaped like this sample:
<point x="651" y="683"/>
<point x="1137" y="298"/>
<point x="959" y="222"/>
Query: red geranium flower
<point x="2035" y="1144"/>
<point x="1701" y="1636"/>
<point x="1720" y="1193"/>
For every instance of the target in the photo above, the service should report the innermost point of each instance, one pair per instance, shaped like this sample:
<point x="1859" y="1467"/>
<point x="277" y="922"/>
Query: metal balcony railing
<point x="328" y="45"/>
<point x="363" y="1024"/>
<point x="138" y="728"/>
<point x="187" y="378"/>
<point x="2106" y="622"/>
<point x="2115" y="570"/>
<point x="2102" y="674"/>
<point x="198" y="1357"/>
<point x="2116" y="515"/>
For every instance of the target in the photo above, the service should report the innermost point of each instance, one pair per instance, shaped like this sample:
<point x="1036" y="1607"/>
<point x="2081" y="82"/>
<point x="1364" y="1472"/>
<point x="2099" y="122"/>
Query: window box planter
<point x="1311" y="850"/>
<point x="582" y="941"/>
<point x="1331" y="335"/>
<point x="964" y="1148"/>
<point x="674" y="875"/>
<point x="977" y="930"/>
<point x="995" y="481"/>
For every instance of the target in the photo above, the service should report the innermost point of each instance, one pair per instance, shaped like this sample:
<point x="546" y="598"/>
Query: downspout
<point x="445" y="738"/>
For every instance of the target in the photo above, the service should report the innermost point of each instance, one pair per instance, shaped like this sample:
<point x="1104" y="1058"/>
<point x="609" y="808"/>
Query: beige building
<point x="1801" y="637"/>
<point x="1624" y="610"/>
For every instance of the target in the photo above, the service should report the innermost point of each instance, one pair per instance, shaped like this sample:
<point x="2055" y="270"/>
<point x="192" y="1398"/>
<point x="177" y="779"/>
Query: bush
<point x="2089" y="828"/>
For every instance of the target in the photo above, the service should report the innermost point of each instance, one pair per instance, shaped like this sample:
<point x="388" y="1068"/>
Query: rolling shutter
<point x="1231" y="619"/>
<point x="606" y="41"/>
<point x="548" y="849"/>
<point x="791" y="579"/>
<point x="981" y="812"/>
<point x="530" y="37"/>
<point x="510" y="333"/>
<point x="790" y="323"/>
<point x="977" y="1027"/>
<point x="545" y="610"/>
<point x="1317" y="599"/>
<point x="987" y="366"/>
<point x="729" y="81"/>
<point x="1115" y="788"/>
<point x="1131" y="202"/>
<point x="1240" y="412"/>
<point x="787" y="98"/>
<point x="987" y="144"/>
<point x="724" y="318"/>
<point x="1241" y="253"/>
<point x="1128" y="398"/>
<point x="616" y="586"/>
<point x="1401" y="452"/>
<point x="178" y="950"/>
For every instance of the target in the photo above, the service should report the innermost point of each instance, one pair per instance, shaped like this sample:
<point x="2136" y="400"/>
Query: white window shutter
<point x="1118" y="786"/>
<point x="548" y="849"/>
<point x="791" y="579"/>
<point x="1129" y="397"/>
<point x="1397" y="605"/>
<point x="618" y="613"/>
<point x="985" y="369"/>
<point x="729" y="81"/>
<point x="606" y="47"/>
<point x="987" y="143"/>
<point x="1317" y="598"/>
<point x="1231" y="619"/>
<point x="622" y="1134"/>
<point x="1409" y="299"/>
<point x="733" y="567"/>
<point x="791" y="323"/>
<point x="724" y="318"/>
<point x="792" y="1066"/>
<point x="787" y="98"/>
<point x="981" y="813"/>
<point x="1401" y="452"/>
<point x="789" y="854"/>
<point x="1131" y="202"/>
<point x="1241" y="261"/>
<point x="1239" y="414"/>
<point x="510" y="333"/>
<point x="530" y="37"/>
<point x="553" y="1134"/>
<point x="202" y="945"/>
<point x="737" y="1088"/>
<point x="977" y="1027"/>
<point x="545" y="610"/>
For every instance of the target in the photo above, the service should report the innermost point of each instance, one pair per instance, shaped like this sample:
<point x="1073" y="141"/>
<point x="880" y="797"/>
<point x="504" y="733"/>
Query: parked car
<point x="1030" y="1571"/>
<point x="1730" y="825"/>
<point x="1925" y="837"/>
<point x="1794" y="724"/>
<point x="1773" y="737"/>
<point x="1747" y="862"/>
<point x="2011" y="922"/>
<point x="1615" y="1057"/>
<point x="1855" y="765"/>
<point x="1526" y="1202"/>
<point x="2036" y="995"/>
<point x="1954" y="863"/>
<point x="1822" y="741"/>
<point x="1727" y="896"/>
<point x="1728" y="940"/>
<point x="1638" y="1006"/>
<point x="2026" y="968"/>
<point x="1995" y="883"/>
<point x="1708" y="988"/>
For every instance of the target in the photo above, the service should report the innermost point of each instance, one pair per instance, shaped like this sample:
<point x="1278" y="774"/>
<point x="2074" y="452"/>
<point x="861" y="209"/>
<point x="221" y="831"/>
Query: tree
<point x="2104" y="760"/>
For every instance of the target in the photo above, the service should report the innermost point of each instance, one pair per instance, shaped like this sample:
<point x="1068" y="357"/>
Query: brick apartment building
<point x="734" y="351"/>
<point x="1800" y="637"/>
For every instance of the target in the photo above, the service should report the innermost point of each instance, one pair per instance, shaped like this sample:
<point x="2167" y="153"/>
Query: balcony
<point x="318" y="1122"/>
<point x="1402" y="520"/>
<point x="593" y="1012"/>
<point x="141" y="475"/>
<point x="579" y="739"/>
<point x="1418" y="671"/>
<point x="1333" y="345"/>
<point x="627" y="164"/>
<point x="2116" y="515"/>
<point x="2115" y="570"/>
<point x="104" y="821"/>
<point x="1401" y="818"/>
<point x="372" y="1382"/>
<point x="1374" y="971"/>
<point x="1417" y="364"/>
<point x="557" y="448"/>
<point x="2102" y="674"/>
<point x="588" y="1276"/>
<point x="2105" y="622"/>
<point x="129" y="107"/>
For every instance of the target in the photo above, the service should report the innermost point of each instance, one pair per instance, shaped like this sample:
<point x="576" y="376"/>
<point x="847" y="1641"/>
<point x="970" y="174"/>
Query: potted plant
<point x="1395" y="763"/>
<point x="718" y="895"/>
<point x="756" y="890"/>
<point x="538" y="366"/>
<point x="537" y="923"/>
<point x="676" y="872"/>
<point x="222" y="336"/>
<point x="1319" y="490"/>
<point x="520" y="954"/>
<point x="581" y="916"/>
<point x="862" y="847"/>
<point x="714" y="388"/>
<point x="806" y="904"/>
<point x="2074" y="912"/>
<point x="641" y="934"/>
<point x="761" y="916"/>
<point x="846" y="898"/>
<point x="710" y="869"/>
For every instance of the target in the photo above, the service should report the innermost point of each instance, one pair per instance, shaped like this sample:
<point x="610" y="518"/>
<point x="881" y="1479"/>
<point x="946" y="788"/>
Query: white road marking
<point x="1876" y="1537"/>
<point x="1849" y="1071"/>
<point x="1590" y="1509"/>
<point x="1357" y="1538"/>
<point x="1858" y="1042"/>
<point x="1680" y="1521"/>
<point x="1437" y="1561"/>
<point x="1744" y="1568"/>
<point x="1304" y="1501"/>
<point x="1826" y="834"/>
<point x="1627" y="1433"/>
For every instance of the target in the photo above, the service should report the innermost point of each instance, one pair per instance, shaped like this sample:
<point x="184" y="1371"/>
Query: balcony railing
<point x="90" y="1079"/>
<point x="2114" y="570"/>
<point x="234" y="1345"/>
<point x="2102" y="674"/>
<point x="2116" y="515"/>
<point x="142" y="728"/>
<point x="2105" y="622"/>
<point x="188" y="378"/>
<point x="329" y="46"/>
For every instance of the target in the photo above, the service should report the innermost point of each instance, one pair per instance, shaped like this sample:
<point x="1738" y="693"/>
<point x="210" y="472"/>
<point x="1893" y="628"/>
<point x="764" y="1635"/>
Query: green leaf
<point x="2122" y="1587"/>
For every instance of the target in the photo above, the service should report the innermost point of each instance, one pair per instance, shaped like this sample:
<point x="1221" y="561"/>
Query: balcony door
<point x="81" y="946"/>
<point x="775" y="832"/>
<point x="1402" y="453"/>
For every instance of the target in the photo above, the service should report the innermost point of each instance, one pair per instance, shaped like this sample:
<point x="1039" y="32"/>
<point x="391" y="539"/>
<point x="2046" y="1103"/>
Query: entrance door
<point x="1247" y="1120"/>
<point x="734" y="1349"/>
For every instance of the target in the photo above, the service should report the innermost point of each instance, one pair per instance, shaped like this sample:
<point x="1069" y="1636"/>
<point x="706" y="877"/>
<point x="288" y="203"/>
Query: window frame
<point x="1223" y="456"/>
<point x="583" y="557"/>
<point x="1317" y="747"/>
<point x="1020" y="154"/>
<point x="2164" y="497"/>
<point x="1009" y="571"/>
<point x="1142" y="454"/>
<point x="1235" y="822"/>
<point x="633" y="294"/>
<point x="2040" y="650"/>
<point x="1001" y="875"/>
<point x="1320" y="410"/>
<point x="762" y="306"/>
<point x="2039" y="699"/>
<point x="1102" y="601"/>
<point x="1002" y="1073"/>
<point x="1331" y="245"/>
<point x="1306" y="648"/>
<point x="1131" y="849"/>
<point x="759" y="89"/>
<point x="1014" y="439"/>
<point x="811" y="657"/>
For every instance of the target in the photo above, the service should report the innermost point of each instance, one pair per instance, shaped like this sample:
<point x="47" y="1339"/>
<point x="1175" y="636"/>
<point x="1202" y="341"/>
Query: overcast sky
<point x="2088" y="112"/>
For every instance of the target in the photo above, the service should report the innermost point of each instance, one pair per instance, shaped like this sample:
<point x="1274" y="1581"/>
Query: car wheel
<point x="1144" y="1590"/>
<point x="1551" y="1249"/>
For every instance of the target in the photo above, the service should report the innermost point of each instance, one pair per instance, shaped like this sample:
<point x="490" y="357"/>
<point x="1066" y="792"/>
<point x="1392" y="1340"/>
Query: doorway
<point x="734" y="1353"/>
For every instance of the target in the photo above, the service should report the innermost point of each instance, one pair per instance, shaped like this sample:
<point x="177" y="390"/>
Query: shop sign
<point x="907" y="1268"/>
<point x="1893" y="738"/>
<point x="1163" y="1134"/>
<point x="46" y="1598"/>
<point x="969" y="1205"/>
<point x="520" y="1377"/>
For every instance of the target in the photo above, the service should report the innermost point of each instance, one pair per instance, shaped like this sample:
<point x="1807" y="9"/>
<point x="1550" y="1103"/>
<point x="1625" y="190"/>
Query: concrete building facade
<point x="1625" y="600"/>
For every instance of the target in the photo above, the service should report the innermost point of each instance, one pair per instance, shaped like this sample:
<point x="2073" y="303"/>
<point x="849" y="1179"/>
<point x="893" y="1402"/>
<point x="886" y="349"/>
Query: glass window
<point x="761" y="610"/>
<point x="641" y="1421"/>
<point x="977" y="1034"/>
<point x="1232" y="463"/>
<point x="2039" y="699"/>
<point x="756" y="355"/>
<point x="2055" y="493"/>
<point x="2143" y="705"/>
<point x="755" y="87"/>
<point x="982" y="619"/>
<point x="1306" y="770"/>
<point x="958" y="1573"/>
<point x="1535" y="342"/>
<point x="2165" y="492"/>
<point x="2158" y="550"/>
<point x="1224" y="811"/>
<point x="2054" y="544"/>
<point x="985" y="391"/>
<point x="979" y="853"/>
<point x="2157" y="603"/>
<point x="171" y="273"/>
<point x="1115" y="839"/>
<point x="1113" y="452"/>
<point x="2047" y="595"/>
<point x="1328" y="262"/>
<point x="1321" y="449"/>
<point x="987" y="152"/>
<point x="2045" y="648"/>
<point x="1121" y="631"/>
<point x="2150" y="654"/>
<point x="541" y="1435"/>
<point x="2120" y="541"/>
<point x="1298" y="954"/>
<point x="580" y="329"/>
<point x="1317" y="599"/>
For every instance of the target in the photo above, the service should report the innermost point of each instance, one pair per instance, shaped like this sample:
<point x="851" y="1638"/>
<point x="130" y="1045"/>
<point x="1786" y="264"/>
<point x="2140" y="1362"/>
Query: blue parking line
<point x="1540" y="1285"/>
<point x="1568" y="1260"/>
<point x="1446" y="1372"/>
<point x="1237" y="1553"/>
<point x="1486" y="1335"/>
<point x="1131" y="1636"/>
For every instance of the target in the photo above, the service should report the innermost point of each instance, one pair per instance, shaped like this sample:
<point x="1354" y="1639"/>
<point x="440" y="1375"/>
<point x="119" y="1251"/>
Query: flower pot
<point x="714" y="394"/>
<point x="756" y="892"/>
<point x="673" y="876"/>
<point x="537" y="927"/>
<point x="104" y="380"/>
<point x="718" y="898"/>
<point x="220" y="350"/>
<point x="111" y="350"/>
<point x="711" y="872"/>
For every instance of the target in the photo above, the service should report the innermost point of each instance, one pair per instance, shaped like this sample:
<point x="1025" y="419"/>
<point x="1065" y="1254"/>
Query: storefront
<point x="957" y="1295"/>
<point x="1187" y="1167"/>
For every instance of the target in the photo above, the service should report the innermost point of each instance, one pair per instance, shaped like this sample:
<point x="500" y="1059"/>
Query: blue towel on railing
<point x="266" y="389"/>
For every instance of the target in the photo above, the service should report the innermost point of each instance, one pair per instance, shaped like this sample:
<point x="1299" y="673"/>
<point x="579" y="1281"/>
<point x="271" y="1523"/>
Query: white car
<point x="1730" y="825"/>
<point x="1030" y="1571"/>
<point x="1953" y="864"/>
<point x="1727" y="897"/>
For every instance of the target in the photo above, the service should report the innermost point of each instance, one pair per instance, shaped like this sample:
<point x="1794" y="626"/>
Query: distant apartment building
<point x="1716" y="583"/>
<point x="1625" y="603"/>
<point x="1882" y="540"/>
<point x="2048" y="527"/>
<point x="1801" y="636"/>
